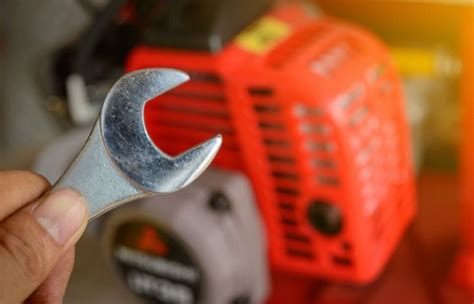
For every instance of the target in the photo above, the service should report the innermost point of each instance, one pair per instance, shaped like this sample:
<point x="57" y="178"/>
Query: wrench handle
<point x="93" y="174"/>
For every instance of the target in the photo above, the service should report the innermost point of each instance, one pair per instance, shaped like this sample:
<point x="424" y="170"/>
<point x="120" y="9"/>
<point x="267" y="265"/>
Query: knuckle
<point x="27" y="178"/>
<point x="28" y="258"/>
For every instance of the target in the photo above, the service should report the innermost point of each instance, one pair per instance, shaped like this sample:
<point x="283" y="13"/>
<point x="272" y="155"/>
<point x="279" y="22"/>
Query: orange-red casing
<point x="319" y="115"/>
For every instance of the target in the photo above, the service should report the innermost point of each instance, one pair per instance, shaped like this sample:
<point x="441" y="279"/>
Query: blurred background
<point x="59" y="58"/>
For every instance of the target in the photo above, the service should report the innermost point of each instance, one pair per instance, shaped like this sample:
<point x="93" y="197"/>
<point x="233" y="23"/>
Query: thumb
<point x="34" y="239"/>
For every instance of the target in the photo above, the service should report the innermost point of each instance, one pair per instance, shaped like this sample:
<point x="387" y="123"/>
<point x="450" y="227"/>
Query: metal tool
<point x="119" y="163"/>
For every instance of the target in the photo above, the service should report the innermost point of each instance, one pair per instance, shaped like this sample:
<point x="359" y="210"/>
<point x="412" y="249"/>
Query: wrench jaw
<point x="188" y="166"/>
<point x="128" y="143"/>
<point x="138" y="87"/>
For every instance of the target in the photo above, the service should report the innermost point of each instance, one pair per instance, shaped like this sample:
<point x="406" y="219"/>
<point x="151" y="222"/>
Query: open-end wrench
<point x="119" y="162"/>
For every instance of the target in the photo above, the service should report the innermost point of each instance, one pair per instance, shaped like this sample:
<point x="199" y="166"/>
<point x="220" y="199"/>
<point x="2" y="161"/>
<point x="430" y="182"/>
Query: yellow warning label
<point x="263" y="35"/>
<point x="414" y="61"/>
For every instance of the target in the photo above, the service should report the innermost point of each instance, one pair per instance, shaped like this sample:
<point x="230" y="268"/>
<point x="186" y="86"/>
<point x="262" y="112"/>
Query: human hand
<point x="38" y="231"/>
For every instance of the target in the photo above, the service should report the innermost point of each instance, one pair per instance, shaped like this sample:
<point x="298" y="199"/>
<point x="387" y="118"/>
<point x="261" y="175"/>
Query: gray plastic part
<point x="229" y="247"/>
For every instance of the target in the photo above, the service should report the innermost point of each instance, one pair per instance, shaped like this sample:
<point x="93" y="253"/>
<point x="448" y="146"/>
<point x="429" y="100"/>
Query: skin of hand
<point x="38" y="231"/>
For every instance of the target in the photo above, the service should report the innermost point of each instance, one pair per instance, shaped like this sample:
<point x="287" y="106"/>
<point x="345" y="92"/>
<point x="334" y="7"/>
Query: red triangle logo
<point x="151" y="242"/>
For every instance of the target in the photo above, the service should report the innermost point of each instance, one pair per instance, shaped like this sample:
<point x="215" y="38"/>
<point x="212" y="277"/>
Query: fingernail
<point x="61" y="214"/>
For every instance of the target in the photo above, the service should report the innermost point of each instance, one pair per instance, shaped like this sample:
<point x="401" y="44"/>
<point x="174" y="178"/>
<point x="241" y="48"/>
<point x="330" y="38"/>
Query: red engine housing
<point x="311" y="109"/>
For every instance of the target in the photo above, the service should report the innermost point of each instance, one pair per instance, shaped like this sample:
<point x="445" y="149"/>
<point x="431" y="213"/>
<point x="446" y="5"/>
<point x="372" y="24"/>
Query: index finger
<point x="19" y="188"/>
<point x="53" y="288"/>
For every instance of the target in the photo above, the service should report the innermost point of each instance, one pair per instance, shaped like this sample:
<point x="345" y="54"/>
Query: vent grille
<point x="320" y="144"/>
<point x="197" y="110"/>
<point x="374" y="142"/>
<point x="336" y="55"/>
<point x="279" y="148"/>
<point x="280" y="56"/>
<point x="319" y="141"/>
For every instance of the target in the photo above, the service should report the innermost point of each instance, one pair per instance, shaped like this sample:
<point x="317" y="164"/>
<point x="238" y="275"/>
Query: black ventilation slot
<point x="287" y="191"/>
<point x="289" y="222"/>
<point x="260" y="91"/>
<point x="285" y="175"/>
<point x="199" y="76"/>
<point x="271" y="125"/>
<point x="197" y="127"/>
<point x="267" y="108"/>
<point x="346" y="246"/>
<point x="181" y="93"/>
<point x="297" y="238"/>
<point x="276" y="142"/>
<point x="342" y="261"/>
<point x="287" y="206"/>
<point x="192" y="111"/>
<point x="300" y="253"/>
<point x="281" y="159"/>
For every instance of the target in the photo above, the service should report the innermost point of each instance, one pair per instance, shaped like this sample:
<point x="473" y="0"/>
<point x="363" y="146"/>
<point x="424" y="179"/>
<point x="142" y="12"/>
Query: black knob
<point x="325" y="217"/>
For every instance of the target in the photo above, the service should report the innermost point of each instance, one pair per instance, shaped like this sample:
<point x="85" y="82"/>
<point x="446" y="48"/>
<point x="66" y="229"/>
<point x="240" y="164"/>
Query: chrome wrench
<point x="119" y="162"/>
